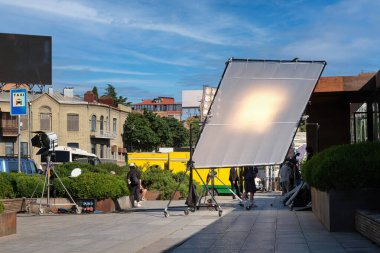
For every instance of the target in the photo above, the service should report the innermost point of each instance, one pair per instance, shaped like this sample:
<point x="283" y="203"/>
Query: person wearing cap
<point x="134" y="182"/>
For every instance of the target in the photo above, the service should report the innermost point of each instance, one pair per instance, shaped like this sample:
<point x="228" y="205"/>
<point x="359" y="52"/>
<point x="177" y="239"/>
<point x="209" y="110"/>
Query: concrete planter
<point x="336" y="209"/>
<point x="7" y="223"/>
<point x="153" y="195"/>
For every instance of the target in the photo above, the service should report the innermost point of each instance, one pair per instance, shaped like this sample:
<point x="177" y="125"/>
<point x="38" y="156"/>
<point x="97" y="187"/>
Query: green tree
<point x="161" y="128"/>
<point x="95" y="91"/>
<point x="180" y="135"/>
<point x="110" y="91"/>
<point x="195" y="129"/>
<point x="138" y="135"/>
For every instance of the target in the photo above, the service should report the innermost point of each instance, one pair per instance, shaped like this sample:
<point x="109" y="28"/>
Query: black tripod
<point x="48" y="172"/>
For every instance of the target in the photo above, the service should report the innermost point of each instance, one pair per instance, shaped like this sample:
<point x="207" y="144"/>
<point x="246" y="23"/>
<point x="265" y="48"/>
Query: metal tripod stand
<point x="49" y="170"/>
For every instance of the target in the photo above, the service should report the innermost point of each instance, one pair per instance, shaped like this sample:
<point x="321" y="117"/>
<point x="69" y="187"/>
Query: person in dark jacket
<point x="134" y="182"/>
<point x="234" y="179"/>
<point x="250" y="186"/>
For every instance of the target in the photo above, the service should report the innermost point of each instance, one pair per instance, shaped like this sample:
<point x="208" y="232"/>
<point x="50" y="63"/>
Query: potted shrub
<point x="343" y="179"/>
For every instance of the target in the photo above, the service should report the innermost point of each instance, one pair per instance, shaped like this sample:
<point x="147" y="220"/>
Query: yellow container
<point x="176" y="162"/>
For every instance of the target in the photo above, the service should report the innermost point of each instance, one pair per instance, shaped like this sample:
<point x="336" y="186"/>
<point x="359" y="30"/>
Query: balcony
<point x="9" y="131"/>
<point x="104" y="135"/>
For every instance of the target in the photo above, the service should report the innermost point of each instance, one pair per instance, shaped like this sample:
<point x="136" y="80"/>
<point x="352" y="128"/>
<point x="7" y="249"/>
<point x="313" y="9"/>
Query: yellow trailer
<point x="176" y="162"/>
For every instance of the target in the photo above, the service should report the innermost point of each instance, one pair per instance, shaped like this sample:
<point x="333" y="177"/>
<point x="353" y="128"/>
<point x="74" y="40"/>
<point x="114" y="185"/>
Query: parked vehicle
<point x="10" y="164"/>
<point x="62" y="154"/>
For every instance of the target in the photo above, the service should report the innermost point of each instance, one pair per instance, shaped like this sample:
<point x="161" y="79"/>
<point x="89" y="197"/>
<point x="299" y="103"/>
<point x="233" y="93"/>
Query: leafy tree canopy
<point x="110" y="91"/>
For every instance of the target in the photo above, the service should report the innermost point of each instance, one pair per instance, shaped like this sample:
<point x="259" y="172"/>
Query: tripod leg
<point x="43" y="192"/>
<point x="229" y="189"/>
<point x="64" y="187"/>
<point x="166" y="214"/>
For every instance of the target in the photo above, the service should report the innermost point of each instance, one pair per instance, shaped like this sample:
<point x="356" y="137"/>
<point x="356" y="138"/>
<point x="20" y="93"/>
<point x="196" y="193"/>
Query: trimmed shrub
<point x="156" y="179"/>
<point x="344" y="167"/>
<point x="166" y="182"/>
<point x="26" y="184"/>
<point x="64" y="170"/>
<point x="92" y="185"/>
<point x="108" y="167"/>
<point x="6" y="186"/>
<point x="2" y="208"/>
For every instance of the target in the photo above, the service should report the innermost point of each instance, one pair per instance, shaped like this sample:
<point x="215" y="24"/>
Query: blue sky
<point x="151" y="48"/>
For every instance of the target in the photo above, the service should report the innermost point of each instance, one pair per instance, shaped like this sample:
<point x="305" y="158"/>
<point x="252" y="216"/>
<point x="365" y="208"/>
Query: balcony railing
<point x="9" y="131"/>
<point x="104" y="135"/>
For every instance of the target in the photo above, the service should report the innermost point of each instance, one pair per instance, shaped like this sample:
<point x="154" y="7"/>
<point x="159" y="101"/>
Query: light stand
<point x="47" y="184"/>
<point x="192" y="200"/>
<point x="45" y="141"/>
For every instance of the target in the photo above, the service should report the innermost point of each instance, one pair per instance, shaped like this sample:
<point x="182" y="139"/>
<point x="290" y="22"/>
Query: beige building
<point x="95" y="126"/>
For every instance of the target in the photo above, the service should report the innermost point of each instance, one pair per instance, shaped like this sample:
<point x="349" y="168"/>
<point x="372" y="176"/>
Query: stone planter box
<point x="7" y="223"/>
<point x="153" y="195"/>
<point x="368" y="224"/>
<point x="336" y="209"/>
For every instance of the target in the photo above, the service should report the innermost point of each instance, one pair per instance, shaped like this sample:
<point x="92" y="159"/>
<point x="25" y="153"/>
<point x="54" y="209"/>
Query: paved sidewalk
<point x="268" y="228"/>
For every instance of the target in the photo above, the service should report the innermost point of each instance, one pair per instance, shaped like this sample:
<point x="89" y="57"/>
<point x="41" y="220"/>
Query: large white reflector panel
<point x="255" y="113"/>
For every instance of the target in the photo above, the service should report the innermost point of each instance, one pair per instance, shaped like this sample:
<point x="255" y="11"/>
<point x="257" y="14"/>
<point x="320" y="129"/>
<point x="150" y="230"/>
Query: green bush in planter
<point x="184" y="187"/>
<point x="64" y="170"/>
<point x="108" y="167"/>
<point x="92" y="185"/>
<point x="157" y="179"/>
<point x="6" y="186"/>
<point x="345" y="167"/>
<point x="26" y="184"/>
<point x="2" y="208"/>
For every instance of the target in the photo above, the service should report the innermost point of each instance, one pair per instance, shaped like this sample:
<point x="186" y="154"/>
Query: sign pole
<point x="18" y="102"/>
<point x="19" y="144"/>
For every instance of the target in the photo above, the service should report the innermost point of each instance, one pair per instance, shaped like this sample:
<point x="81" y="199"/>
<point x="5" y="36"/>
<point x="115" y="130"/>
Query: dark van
<point x="10" y="164"/>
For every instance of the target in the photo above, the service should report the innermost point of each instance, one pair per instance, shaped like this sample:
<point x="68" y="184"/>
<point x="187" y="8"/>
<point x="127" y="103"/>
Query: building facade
<point x="95" y="126"/>
<point x="162" y="106"/>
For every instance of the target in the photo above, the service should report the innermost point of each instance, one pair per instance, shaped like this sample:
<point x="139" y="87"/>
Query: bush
<point x="156" y="179"/>
<point x="108" y="167"/>
<point x="93" y="185"/>
<point x="26" y="184"/>
<point x="64" y="170"/>
<point x="6" y="186"/>
<point x="166" y="182"/>
<point x="2" y="208"/>
<point x="345" y="167"/>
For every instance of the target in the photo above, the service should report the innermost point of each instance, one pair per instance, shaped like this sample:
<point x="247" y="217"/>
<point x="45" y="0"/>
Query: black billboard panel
<point x="25" y="59"/>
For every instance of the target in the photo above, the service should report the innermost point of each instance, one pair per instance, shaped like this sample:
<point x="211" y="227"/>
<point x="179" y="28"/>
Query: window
<point x="24" y="149"/>
<point x="9" y="148"/>
<point x="102" y="151"/>
<point x="45" y="118"/>
<point x="93" y="148"/>
<point x="114" y="126"/>
<point x="72" y="122"/>
<point x="93" y="123"/>
<point x="73" y="145"/>
<point x="45" y="121"/>
<point x="101" y="124"/>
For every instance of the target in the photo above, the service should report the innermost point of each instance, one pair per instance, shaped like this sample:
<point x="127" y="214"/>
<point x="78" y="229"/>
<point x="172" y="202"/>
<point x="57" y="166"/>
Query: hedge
<point x="93" y="185"/>
<point x="2" y="208"/>
<point x="344" y="167"/>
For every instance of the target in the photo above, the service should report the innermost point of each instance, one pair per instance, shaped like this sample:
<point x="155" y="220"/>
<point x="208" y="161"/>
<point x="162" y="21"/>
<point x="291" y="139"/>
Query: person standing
<point x="134" y="182"/>
<point x="234" y="179"/>
<point x="284" y="175"/>
<point x="250" y="186"/>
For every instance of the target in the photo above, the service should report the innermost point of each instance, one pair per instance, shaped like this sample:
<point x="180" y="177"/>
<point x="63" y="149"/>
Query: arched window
<point x="93" y="123"/>
<point x="101" y="124"/>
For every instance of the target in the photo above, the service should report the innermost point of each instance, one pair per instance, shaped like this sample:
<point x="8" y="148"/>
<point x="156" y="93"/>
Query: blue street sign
<point x="18" y="101"/>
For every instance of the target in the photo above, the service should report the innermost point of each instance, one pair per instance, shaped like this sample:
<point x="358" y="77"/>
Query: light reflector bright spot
<point x="258" y="110"/>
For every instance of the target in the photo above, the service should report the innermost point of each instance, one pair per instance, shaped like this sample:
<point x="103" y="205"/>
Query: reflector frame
<point x="255" y="112"/>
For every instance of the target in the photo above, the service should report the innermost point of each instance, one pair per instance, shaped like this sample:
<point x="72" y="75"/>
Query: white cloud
<point x="69" y="9"/>
<point x="100" y="70"/>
